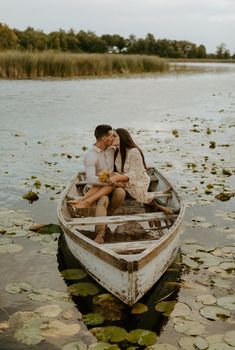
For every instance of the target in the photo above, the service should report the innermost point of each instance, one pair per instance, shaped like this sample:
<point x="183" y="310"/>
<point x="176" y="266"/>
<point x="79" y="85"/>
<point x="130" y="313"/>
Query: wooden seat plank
<point x="119" y="219"/>
<point x="129" y="246"/>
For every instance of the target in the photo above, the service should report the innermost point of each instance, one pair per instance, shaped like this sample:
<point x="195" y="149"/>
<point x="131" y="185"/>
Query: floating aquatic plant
<point x="111" y="334"/>
<point x="93" y="319"/>
<point x="83" y="289"/>
<point x="31" y="196"/>
<point x="73" y="274"/>
<point x="142" y="337"/>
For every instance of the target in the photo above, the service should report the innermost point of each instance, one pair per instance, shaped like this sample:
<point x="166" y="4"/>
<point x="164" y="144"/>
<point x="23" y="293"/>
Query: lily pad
<point x="192" y="343"/>
<point x="73" y="274"/>
<point x="111" y="334"/>
<point x="188" y="327"/>
<point x="17" y="232"/>
<point x="186" y="260"/>
<point x="48" y="251"/>
<point x="139" y="308"/>
<point x="18" y="287"/>
<point x="228" y="302"/>
<point x="93" y="319"/>
<point x="207" y="299"/>
<point x="4" y="240"/>
<point x="47" y="294"/>
<point x="10" y="248"/>
<point x="49" y="229"/>
<point x="220" y="346"/>
<point x="228" y="265"/>
<point x="225" y="196"/>
<point x="103" y="346"/>
<point x="36" y="227"/>
<point x="220" y="282"/>
<point x="210" y="260"/>
<point x="83" y="289"/>
<point x="166" y="307"/>
<point x="161" y="347"/>
<point x="56" y="328"/>
<point x="229" y="337"/>
<point x="142" y="337"/>
<point x="30" y="334"/>
<point x="76" y="345"/>
<point x="49" y="310"/>
<point x="214" y="313"/>
<point x="181" y="310"/>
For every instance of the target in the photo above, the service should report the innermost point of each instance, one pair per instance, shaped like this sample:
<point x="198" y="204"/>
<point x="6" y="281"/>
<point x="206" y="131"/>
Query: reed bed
<point x="33" y="65"/>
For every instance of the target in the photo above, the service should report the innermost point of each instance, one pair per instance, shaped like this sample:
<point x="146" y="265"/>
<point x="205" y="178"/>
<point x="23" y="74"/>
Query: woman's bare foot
<point x="99" y="238"/>
<point x="166" y="210"/>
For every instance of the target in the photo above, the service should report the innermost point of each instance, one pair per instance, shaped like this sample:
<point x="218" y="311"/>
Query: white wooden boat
<point x="140" y="242"/>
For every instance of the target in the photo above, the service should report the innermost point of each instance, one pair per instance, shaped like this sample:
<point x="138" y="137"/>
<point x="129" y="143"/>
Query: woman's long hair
<point x="126" y="142"/>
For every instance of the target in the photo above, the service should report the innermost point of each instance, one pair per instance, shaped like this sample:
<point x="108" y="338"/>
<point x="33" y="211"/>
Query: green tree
<point x="32" y="40"/>
<point x="222" y="52"/>
<point x="8" y="38"/>
<point x="54" y="41"/>
<point x="72" y="41"/>
<point x="90" y="42"/>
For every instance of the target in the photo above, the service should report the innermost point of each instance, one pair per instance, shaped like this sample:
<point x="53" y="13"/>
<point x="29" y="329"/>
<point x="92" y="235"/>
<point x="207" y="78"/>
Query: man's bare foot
<point x="99" y="238"/>
<point x="74" y="201"/>
<point x="82" y="204"/>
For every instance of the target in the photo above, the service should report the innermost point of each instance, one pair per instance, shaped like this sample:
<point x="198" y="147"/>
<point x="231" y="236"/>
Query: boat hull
<point x="128" y="286"/>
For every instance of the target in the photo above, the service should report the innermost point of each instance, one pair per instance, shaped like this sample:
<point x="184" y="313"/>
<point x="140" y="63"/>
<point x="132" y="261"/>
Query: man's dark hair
<point x="102" y="130"/>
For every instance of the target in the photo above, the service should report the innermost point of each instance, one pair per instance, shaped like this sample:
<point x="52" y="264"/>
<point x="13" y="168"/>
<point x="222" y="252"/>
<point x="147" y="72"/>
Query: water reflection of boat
<point x="140" y="242"/>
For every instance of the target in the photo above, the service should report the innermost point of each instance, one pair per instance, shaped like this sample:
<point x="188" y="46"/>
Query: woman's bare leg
<point x="87" y="202"/>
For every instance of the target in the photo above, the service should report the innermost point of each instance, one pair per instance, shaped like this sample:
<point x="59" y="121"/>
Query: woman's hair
<point x="126" y="142"/>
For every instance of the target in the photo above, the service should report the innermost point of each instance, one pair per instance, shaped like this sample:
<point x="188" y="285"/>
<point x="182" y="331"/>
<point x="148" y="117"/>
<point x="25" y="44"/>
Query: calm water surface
<point x="46" y="124"/>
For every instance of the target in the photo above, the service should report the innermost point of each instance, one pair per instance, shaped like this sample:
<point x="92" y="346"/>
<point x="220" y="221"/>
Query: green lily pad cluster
<point x="114" y="334"/>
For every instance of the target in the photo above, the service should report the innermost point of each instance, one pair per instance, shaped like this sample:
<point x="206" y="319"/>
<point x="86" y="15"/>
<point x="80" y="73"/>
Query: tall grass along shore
<point x="30" y="65"/>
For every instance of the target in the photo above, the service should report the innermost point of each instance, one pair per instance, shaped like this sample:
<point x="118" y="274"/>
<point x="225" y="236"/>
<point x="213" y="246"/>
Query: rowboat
<point x="140" y="241"/>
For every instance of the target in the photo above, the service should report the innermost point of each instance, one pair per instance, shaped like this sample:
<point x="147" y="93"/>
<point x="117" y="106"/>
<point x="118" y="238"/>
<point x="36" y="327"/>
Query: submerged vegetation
<point x="23" y="65"/>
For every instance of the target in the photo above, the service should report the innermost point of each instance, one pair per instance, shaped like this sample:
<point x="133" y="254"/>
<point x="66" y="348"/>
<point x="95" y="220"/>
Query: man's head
<point x="104" y="134"/>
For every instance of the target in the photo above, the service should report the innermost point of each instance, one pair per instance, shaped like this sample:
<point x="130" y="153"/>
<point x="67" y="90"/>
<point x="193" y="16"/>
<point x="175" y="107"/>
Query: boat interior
<point x="132" y="222"/>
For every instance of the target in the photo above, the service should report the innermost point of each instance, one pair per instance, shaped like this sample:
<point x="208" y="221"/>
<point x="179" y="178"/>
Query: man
<point x="101" y="157"/>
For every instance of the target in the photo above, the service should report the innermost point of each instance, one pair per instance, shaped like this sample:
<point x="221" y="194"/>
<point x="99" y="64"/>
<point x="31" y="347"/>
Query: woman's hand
<point x="113" y="179"/>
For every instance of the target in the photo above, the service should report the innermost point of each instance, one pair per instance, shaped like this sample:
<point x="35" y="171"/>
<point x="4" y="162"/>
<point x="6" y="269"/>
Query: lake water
<point x="45" y="125"/>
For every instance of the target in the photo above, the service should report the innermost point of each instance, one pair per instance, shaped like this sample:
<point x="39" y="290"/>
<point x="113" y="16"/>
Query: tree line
<point x="31" y="39"/>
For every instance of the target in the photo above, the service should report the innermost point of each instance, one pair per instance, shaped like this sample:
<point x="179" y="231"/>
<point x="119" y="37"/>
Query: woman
<point x="131" y="174"/>
<point x="131" y="168"/>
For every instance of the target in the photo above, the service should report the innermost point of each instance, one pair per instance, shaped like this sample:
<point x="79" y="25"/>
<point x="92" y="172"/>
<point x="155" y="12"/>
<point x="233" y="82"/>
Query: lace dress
<point x="139" y="180"/>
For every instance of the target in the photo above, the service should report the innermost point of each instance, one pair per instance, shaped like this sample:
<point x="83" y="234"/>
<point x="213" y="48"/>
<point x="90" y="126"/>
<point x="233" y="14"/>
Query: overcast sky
<point x="208" y="22"/>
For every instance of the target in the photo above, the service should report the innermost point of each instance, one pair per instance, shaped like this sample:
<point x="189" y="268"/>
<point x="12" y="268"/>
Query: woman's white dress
<point x="139" y="180"/>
